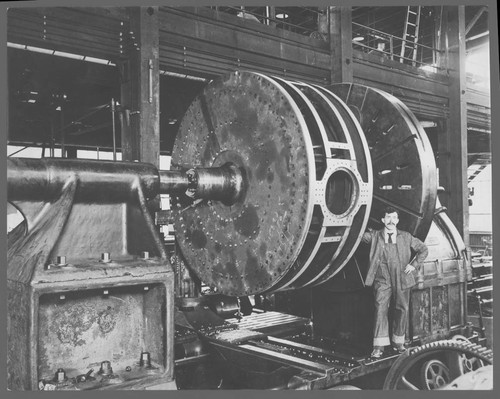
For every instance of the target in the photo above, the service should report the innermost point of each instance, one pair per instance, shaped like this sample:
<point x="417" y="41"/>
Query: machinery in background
<point x="273" y="183"/>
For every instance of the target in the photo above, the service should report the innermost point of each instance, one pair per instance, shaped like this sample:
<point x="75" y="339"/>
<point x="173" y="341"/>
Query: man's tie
<point x="390" y="238"/>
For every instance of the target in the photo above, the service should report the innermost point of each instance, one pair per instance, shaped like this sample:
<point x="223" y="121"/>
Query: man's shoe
<point x="400" y="348"/>
<point x="377" y="352"/>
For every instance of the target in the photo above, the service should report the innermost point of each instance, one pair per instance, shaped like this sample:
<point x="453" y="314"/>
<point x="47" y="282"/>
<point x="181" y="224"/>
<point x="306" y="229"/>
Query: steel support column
<point x="140" y="88"/>
<point x="438" y="35"/>
<point x="452" y="142"/>
<point x="341" y="44"/>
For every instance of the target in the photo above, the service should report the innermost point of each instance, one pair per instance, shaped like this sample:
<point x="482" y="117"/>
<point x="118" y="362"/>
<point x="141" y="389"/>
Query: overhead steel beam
<point x="474" y="19"/>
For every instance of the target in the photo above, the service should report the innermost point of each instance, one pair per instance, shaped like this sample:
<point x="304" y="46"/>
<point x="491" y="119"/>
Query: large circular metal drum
<point x="307" y="184"/>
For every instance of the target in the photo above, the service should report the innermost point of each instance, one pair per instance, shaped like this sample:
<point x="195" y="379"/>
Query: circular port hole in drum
<point x="339" y="192"/>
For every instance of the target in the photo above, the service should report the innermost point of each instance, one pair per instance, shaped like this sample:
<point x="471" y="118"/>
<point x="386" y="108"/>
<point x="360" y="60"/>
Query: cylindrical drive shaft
<point x="173" y="182"/>
<point x="107" y="181"/>
<point x="225" y="183"/>
<point x="43" y="179"/>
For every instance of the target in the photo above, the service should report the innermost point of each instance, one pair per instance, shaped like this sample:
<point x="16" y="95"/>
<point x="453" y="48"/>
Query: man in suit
<point x="392" y="275"/>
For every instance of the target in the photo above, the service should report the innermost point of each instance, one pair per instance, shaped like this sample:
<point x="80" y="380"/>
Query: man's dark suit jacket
<point x="405" y="243"/>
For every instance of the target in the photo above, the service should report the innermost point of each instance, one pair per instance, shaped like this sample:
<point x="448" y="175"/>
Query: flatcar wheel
<point x="434" y="374"/>
<point x="409" y="371"/>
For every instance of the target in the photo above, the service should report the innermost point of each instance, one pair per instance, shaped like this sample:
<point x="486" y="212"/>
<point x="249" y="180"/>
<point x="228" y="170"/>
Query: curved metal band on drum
<point x="335" y="226"/>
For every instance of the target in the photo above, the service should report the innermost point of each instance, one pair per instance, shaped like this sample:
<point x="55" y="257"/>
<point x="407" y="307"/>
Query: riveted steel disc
<point x="308" y="184"/>
<point x="403" y="162"/>
<point x="251" y="121"/>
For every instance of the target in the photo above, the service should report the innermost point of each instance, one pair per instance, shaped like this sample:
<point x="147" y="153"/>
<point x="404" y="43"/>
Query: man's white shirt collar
<point x="386" y="236"/>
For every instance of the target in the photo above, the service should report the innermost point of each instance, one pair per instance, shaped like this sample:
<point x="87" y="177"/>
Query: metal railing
<point x="312" y="22"/>
<point x="386" y="45"/>
<point x="301" y="20"/>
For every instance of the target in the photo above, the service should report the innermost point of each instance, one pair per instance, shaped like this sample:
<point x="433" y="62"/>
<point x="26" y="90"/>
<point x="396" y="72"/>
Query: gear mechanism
<point x="435" y="365"/>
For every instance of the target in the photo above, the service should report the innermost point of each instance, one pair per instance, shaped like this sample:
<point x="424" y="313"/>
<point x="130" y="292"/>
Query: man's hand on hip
<point x="409" y="269"/>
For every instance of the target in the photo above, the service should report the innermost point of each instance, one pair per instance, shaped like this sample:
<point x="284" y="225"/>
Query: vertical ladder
<point x="410" y="35"/>
<point x="472" y="173"/>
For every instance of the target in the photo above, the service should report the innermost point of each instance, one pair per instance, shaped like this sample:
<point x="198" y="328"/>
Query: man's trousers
<point x="386" y="287"/>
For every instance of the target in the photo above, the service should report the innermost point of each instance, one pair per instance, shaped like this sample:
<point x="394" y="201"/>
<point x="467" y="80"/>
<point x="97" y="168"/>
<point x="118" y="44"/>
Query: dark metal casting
<point x="76" y="273"/>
